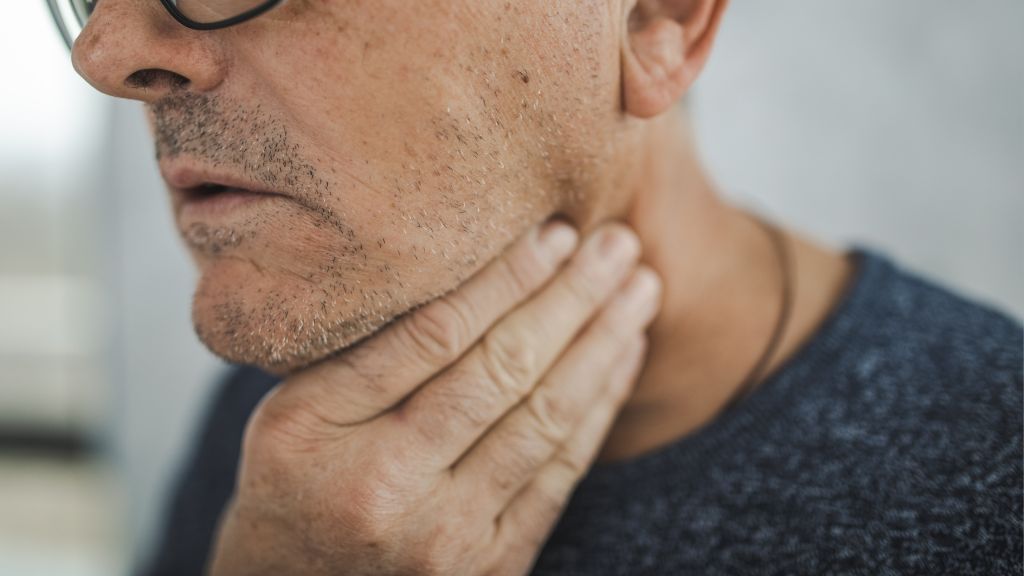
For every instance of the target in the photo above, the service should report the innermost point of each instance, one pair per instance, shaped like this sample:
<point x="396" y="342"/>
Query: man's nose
<point x="134" y="49"/>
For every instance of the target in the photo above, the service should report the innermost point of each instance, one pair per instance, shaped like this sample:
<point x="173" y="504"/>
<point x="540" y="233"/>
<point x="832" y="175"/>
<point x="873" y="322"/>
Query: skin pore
<point x="413" y="141"/>
<point x="397" y="196"/>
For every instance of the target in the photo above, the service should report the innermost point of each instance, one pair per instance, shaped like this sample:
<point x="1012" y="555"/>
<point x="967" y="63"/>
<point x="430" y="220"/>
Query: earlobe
<point x="664" y="50"/>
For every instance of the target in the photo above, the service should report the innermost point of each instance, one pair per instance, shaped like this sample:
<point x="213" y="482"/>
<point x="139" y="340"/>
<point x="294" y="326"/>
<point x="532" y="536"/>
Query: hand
<point x="450" y="442"/>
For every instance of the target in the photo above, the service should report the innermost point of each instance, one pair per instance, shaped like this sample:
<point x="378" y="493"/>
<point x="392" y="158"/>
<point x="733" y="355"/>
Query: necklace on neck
<point x="754" y="376"/>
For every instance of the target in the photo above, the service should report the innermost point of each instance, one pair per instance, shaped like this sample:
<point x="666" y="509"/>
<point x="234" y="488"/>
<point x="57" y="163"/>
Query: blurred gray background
<point x="897" y="125"/>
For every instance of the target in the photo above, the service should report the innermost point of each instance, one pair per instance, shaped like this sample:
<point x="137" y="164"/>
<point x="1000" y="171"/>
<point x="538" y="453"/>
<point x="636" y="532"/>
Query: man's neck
<point x="722" y="294"/>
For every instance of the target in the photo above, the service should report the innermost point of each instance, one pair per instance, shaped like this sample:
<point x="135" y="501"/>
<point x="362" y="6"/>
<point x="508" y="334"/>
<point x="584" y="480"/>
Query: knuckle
<point x="281" y="426"/>
<point x="549" y="503"/>
<point x="610" y="328"/>
<point x="501" y="479"/>
<point x="373" y="505"/>
<point x="570" y="467"/>
<point x="508" y="467"/>
<point x="360" y="366"/>
<point x="553" y="488"/>
<point x="524" y="273"/>
<point x="446" y="546"/>
<point x="545" y="507"/>
<point x="461" y="400"/>
<point x="551" y="416"/>
<point x="269" y="416"/>
<point x="585" y="284"/>
<point x="509" y="362"/>
<point x="364" y="527"/>
<point x="439" y="332"/>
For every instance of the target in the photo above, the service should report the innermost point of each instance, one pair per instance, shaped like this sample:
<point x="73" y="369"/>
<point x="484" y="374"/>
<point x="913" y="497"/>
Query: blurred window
<point x="54" y="126"/>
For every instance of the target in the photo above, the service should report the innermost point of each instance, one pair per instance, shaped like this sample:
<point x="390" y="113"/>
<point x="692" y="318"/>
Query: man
<point x="468" y="249"/>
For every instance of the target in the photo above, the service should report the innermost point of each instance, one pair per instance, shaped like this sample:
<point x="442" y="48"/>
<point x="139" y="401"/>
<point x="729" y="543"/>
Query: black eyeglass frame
<point x="181" y="18"/>
<point x="247" y="15"/>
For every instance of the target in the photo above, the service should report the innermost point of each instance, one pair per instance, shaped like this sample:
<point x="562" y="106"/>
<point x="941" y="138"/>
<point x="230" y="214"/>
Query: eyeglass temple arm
<point x="58" y="19"/>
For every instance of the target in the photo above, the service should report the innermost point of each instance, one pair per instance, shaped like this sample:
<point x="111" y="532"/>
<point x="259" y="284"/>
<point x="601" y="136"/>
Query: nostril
<point x="156" y="78"/>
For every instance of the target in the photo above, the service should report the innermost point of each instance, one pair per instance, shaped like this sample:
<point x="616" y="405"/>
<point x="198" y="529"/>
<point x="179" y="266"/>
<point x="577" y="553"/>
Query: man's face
<point x="407" y="143"/>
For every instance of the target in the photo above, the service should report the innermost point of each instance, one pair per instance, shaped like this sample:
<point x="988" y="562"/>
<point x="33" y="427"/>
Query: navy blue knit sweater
<point x="891" y="443"/>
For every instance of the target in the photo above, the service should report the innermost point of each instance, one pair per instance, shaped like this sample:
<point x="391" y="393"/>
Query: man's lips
<point x="218" y="202"/>
<point x="200" y="194"/>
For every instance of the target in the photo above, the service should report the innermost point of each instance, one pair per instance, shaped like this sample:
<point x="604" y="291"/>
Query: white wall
<point x="160" y="371"/>
<point x="895" y="123"/>
<point x="899" y="124"/>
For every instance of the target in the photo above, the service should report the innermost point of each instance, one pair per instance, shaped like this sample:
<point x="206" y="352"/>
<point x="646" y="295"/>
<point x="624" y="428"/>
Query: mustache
<point x="246" y="141"/>
<point x="226" y="135"/>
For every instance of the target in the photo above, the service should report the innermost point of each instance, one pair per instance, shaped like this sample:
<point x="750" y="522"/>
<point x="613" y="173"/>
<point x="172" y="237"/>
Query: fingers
<point x="451" y="412"/>
<point x="374" y="376"/>
<point x="527" y="521"/>
<point x="510" y="454"/>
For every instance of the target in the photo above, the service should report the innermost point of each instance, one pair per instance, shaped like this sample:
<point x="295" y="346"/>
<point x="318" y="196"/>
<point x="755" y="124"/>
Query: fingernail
<point x="616" y="244"/>
<point x="643" y="292"/>
<point x="557" y="238"/>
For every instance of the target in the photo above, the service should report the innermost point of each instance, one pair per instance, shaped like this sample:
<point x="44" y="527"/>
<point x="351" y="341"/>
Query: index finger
<point x="365" y="381"/>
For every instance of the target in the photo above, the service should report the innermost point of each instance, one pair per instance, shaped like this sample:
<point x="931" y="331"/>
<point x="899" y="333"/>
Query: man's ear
<point x="664" y="49"/>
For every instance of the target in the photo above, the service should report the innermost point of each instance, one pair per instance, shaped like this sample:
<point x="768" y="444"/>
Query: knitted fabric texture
<point x="890" y="443"/>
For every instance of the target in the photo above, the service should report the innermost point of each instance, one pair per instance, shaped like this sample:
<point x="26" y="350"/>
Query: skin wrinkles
<point x="243" y="141"/>
<point x="413" y="159"/>
<point x="303" y="321"/>
<point x="434" y="133"/>
<point x="251" y="143"/>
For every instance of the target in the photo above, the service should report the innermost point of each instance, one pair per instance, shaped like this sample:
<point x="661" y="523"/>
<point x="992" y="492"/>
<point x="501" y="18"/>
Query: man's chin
<point x="278" y="335"/>
<point x="279" y="355"/>
<point x="283" y="315"/>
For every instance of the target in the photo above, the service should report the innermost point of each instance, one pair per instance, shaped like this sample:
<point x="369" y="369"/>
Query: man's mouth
<point x="203" y="196"/>
<point x="210" y="201"/>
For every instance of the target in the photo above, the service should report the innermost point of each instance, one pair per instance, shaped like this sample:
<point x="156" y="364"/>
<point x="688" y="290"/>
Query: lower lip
<point x="221" y="204"/>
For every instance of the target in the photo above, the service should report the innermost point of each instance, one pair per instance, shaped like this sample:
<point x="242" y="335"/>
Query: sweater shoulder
<point x="957" y="341"/>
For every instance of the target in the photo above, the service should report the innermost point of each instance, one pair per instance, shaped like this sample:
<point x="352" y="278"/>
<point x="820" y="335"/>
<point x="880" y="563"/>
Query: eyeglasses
<point x="72" y="15"/>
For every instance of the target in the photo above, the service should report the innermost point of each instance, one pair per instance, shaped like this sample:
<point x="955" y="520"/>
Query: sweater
<point x="889" y="443"/>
